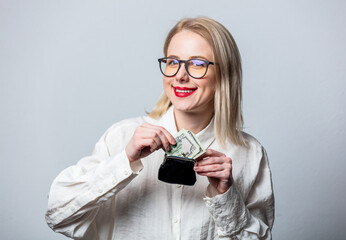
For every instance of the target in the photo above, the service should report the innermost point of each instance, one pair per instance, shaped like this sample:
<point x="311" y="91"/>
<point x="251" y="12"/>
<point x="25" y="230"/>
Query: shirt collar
<point x="206" y="136"/>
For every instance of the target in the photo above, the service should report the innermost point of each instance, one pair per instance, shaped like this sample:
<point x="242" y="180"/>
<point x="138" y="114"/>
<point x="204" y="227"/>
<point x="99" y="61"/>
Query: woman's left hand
<point x="217" y="167"/>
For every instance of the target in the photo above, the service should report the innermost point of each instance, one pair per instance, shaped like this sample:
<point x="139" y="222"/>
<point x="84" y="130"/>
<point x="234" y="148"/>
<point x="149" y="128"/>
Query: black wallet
<point x="177" y="170"/>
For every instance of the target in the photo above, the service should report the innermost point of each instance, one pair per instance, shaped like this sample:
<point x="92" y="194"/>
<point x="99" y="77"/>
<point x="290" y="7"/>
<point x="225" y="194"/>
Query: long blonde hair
<point x="228" y="119"/>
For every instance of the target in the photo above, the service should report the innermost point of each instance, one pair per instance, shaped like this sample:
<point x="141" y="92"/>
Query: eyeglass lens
<point x="196" y="68"/>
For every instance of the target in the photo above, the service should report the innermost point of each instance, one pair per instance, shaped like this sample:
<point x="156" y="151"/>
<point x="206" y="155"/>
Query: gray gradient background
<point x="66" y="76"/>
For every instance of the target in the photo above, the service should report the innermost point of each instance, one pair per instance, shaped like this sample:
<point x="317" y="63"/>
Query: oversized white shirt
<point x="105" y="197"/>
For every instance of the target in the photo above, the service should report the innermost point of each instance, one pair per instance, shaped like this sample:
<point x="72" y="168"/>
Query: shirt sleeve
<point x="78" y="191"/>
<point x="250" y="218"/>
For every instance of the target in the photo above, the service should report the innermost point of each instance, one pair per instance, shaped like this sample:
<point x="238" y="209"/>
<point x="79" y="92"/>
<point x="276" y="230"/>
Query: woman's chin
<point x="182" y="109"/>
<point x="188" y="109"/>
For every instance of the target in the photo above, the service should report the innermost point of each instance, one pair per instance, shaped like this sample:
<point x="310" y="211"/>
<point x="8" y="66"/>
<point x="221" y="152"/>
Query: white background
<point x="69" y="69"/>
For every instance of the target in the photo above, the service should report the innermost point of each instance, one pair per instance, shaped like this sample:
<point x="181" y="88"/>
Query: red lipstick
<point x="183" y="91"/>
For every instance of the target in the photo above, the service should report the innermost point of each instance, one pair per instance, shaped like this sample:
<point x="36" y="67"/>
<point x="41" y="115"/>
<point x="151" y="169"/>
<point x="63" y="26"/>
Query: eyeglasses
<point x="196" y="68"/>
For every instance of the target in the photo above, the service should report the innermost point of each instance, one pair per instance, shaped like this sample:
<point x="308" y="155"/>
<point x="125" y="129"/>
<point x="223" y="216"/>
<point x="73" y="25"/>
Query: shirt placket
<point x="176" y="210"/>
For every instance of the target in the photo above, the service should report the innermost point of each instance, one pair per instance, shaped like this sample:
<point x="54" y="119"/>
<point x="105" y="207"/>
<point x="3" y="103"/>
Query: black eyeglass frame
<point x="185" y="63"/>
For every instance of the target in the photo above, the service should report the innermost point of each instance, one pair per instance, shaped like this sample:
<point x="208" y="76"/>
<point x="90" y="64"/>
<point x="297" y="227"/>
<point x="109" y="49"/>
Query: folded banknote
<point x="187" y="145"/>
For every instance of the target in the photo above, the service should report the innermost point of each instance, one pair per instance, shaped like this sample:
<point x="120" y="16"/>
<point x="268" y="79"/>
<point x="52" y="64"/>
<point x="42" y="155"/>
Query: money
<point x="187" y="145"/>
<point x="200" y="148"/>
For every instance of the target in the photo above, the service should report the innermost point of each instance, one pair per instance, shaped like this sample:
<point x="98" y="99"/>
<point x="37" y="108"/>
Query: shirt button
<point x="72" y="208"/>
<point x="126" y="172"/>
<point x="178" y="186"/>
<point x="100" y="190"/>
<point x="176" y="220"/>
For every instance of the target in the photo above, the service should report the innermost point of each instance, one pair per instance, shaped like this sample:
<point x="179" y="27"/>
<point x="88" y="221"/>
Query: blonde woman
<point x="115" y="193"/>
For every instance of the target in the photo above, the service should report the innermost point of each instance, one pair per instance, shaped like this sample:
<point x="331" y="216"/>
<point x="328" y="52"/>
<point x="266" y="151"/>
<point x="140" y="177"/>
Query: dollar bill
<point x="198" y="143"/>
<point x="187" y="145"/>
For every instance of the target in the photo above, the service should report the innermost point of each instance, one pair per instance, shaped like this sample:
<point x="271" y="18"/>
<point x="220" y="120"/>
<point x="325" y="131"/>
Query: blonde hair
<point x="228" y="119"/>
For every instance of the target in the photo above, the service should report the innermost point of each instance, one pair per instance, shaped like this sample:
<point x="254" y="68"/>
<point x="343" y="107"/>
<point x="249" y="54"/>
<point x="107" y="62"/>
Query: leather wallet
<point x="177" y="170"/>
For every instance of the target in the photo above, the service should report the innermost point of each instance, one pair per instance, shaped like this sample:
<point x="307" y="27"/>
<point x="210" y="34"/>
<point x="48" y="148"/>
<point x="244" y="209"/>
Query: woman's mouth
<point x="183" y="91"/>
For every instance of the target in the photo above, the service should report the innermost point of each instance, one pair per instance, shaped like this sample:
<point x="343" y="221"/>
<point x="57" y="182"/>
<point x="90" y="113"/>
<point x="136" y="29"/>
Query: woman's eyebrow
<point x="191" y="57"/>
<point x="174" y="56"/>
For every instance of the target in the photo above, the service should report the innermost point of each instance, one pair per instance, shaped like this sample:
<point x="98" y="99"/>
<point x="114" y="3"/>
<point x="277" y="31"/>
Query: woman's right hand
<point x="146" y="139"/>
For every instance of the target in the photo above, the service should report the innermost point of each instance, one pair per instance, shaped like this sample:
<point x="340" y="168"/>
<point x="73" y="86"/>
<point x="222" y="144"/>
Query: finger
<point x="160" y="138"/>
<point x="211" y="153"/>
<point x="161" y="135"/>
<point x="210" y="160"/>
<point x="147" y="133"/>
<point x="150" y="143"/>
<point x="165" y="132"/>
<point x="222" y="175"/>
<point x="209" y="168"/>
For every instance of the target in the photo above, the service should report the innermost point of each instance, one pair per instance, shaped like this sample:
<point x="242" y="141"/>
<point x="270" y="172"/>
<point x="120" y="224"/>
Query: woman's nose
<point x="182" y="74"/>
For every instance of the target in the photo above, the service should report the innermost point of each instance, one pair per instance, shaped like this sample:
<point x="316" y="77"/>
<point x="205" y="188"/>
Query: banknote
<point x="187" y="145"/>
<point x="200" y="148"/>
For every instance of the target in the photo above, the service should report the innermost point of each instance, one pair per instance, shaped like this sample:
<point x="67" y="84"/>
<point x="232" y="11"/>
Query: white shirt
<point x="105" y="197"/>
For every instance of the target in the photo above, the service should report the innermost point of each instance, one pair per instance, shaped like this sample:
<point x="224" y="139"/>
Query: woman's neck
<point x="195" y="122"/>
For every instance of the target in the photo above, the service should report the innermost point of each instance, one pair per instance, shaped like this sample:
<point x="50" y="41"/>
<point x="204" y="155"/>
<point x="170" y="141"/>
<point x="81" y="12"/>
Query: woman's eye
<point x="172" y="62"/>
<point x="197" y="63"/>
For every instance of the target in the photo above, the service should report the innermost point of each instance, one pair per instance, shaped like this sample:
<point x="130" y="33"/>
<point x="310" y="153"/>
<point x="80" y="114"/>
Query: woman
<point x="115" y="194"/>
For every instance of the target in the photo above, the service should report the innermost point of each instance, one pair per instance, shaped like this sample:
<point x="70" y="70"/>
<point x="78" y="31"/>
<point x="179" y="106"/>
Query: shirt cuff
<point x="111" y="176"/>
<point x="228" y="211"/>
<point x="136" y="166"/>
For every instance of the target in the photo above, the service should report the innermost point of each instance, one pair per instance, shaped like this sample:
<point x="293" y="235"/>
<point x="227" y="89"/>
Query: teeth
<point x="184" y="91"/>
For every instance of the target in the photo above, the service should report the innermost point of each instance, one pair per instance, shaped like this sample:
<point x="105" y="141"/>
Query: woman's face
<point x="188" y="94"/>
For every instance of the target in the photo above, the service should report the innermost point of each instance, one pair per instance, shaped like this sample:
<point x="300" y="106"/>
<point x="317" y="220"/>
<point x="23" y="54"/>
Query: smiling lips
<point x="183" y="91"/>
